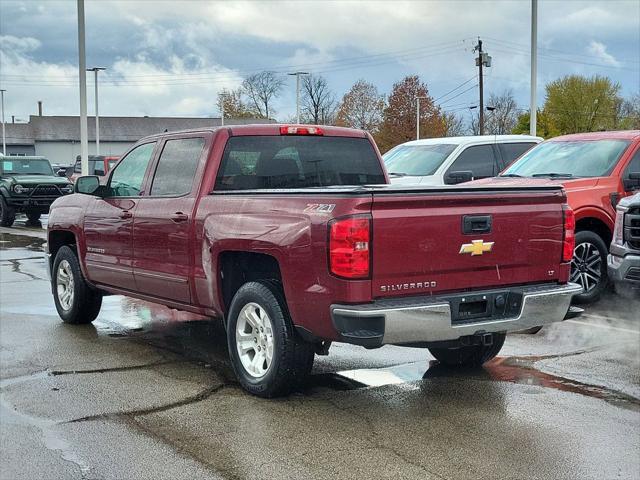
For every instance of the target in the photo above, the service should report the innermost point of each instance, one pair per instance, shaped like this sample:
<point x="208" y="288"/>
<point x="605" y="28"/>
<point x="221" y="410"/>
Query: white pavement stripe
<point x="599" y="325"/>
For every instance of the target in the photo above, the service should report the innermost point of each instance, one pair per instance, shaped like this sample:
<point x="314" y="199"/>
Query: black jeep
<point x="28" y="185"/>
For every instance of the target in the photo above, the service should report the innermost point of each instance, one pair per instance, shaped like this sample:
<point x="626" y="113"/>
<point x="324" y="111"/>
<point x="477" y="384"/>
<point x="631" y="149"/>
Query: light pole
<point x="4" y="138"/>
<point x="533" y="102"/>
<point x="297" y="74"/>
<point x="82" y="73"/>
<point x="95" y="71"/>
<point x="418" y="116"/>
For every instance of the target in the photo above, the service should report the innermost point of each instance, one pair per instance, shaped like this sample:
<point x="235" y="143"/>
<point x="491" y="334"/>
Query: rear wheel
<point x="589" y="266"/>
<point x="470" y="355"/>
<point x="7" y="214"/>
<point x="33" y="217"/>
<point x="76" y="301"/>
<point x="267" y="355"/>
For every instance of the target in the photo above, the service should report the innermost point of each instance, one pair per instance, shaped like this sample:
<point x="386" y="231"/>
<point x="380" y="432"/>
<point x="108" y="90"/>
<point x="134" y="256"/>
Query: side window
<point x="511" y="151"/>
<point x="127" y="178"/>
<point x="177" y="167"/>
<point x="98" y="168"/>
<point x="478" y="159"/>
<point x="634" y="164"/>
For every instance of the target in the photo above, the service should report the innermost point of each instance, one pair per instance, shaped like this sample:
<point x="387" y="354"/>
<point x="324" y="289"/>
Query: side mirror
<point x="62" y="172"/>
<point x="459" y="177"/>
<point x="632" y="181"/>
<point x="88" y="185"/>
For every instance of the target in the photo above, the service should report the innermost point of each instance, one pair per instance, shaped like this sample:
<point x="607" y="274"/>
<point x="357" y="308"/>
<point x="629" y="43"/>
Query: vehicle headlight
<point x="618" y="231"/>
<point x="19" y="189"/>
<point x="66" y="188"/>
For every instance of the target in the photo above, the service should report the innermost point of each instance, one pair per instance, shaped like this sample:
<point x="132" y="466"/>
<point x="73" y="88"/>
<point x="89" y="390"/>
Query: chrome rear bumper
<point x="434" y="319"/>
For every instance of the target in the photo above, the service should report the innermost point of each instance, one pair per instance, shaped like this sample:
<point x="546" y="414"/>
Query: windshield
<point x="417" y="160"/>
<point x="580" y="158"/>
<point x="24" y="166"/>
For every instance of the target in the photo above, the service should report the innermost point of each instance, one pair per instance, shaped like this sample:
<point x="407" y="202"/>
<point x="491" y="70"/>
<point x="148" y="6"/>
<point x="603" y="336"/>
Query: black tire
<point x="85" y="301"/>
<point x="33" y="217"/>
<point x="292" y="357"/>
<point x="469" y="356"/>
<point x="587" y="239"/>
<point x="7" y="214"/>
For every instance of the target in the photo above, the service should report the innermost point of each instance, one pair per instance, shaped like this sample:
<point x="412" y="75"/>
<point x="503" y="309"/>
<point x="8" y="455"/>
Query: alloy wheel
<point x="586" y="266"/>
<point x="254" y="340"/>
<point x="65" y="285"/>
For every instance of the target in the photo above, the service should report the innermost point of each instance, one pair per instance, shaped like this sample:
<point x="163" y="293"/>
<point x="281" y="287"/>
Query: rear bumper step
<point x="423" y="320"/>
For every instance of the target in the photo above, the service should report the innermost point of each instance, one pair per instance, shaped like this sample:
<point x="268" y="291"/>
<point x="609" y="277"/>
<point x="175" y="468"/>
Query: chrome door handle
<point x="126" y="214"/>
<point x="179" y="217"/>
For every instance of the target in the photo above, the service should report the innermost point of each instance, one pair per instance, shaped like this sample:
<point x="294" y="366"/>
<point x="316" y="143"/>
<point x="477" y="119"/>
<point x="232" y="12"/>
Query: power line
<point x="453" y="90"/>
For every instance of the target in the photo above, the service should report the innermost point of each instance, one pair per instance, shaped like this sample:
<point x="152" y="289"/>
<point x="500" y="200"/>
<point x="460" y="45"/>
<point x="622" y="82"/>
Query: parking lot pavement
<point x="147" y="392"/>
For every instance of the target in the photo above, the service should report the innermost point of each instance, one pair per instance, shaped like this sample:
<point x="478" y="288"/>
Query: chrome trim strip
<point x="160" y="276"/>
<point x="108" y="267"/>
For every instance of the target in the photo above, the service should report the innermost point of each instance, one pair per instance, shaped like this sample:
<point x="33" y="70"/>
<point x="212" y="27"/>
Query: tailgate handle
<point x="476" y="224"/>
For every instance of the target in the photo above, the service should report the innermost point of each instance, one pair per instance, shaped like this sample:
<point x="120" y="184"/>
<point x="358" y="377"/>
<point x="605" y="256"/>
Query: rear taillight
<point x="349" y="247"/>
<point x="569" y="241"/>
<point x="295" y="130"/>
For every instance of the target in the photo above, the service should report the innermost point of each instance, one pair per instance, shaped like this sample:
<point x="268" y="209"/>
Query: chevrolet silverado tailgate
<point x="465" y="238"/>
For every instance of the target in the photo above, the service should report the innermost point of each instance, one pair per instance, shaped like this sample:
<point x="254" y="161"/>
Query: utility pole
<point x="4" y="138"/>
<point x="95" y="71"/>
<point x="297" y="75"/>
<point x="82" y="71"/>
<point x="533" y="104"/>
<point x="483" y="60"/>
<point x="418" y="116"/>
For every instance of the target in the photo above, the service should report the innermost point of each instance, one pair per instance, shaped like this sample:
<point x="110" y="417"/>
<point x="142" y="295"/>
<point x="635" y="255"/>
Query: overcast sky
<point x="171" y="58"/>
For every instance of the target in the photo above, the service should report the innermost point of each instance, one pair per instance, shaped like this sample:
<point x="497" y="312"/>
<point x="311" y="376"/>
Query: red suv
<point x="596" y="170"/>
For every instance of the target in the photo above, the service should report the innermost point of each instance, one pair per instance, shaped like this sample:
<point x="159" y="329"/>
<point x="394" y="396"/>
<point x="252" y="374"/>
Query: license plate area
<point x="497" y="305"/>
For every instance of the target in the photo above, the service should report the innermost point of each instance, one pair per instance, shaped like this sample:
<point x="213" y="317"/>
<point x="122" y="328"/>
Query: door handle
<point x="179" y="217"/>
<point x="126" y="214"/>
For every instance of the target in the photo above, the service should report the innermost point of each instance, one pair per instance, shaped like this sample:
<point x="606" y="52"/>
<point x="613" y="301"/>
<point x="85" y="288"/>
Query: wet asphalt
<point x="147" y="392"/>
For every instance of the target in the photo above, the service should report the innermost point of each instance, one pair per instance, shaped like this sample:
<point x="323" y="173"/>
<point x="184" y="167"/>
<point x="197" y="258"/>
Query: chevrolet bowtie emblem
<point x="476" y="247"/>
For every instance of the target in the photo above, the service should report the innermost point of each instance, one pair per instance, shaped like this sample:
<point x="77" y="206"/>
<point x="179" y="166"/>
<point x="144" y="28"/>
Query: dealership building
<point x="58" y="137"/>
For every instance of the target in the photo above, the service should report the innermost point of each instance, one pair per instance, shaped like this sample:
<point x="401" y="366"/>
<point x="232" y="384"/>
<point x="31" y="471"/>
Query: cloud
<point x="599" y="50"/>
<point x="18" y="45"/>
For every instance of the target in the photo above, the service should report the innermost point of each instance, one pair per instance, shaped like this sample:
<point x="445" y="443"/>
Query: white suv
<point x="447" y="161"/>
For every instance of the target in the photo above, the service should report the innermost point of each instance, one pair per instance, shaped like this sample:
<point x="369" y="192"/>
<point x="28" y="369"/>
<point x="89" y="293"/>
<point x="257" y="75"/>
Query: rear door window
<point x="478" y="159"/>
<point x="177" y="167"/>
<point x="268" y="162"/>
<point x="511" y="151"/>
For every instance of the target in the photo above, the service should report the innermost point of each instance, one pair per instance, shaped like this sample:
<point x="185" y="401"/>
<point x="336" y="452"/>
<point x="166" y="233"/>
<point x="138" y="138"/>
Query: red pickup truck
<point x="290" y="235"/>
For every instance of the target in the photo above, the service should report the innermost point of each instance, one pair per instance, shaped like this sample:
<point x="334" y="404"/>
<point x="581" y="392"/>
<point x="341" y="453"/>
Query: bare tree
<point x="504" y="116"/>
<point x="318" y="101"/>
<point x="453" y="124"/>
<point x="261" y="88"/>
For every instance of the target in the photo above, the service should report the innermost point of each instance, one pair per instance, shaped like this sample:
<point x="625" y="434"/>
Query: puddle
<point x="10" y="240"/>
<point x="518" y="370"/>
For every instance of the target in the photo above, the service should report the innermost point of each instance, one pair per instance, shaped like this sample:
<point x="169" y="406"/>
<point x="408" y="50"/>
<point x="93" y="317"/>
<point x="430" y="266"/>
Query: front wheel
<point x="267" y="355"/>
<point x="33" y="217"/>
<point x="76" y="301"/>
<point x="469" y="355"/>
<point x="589" y="266"/>
<point x="7" y="214"/>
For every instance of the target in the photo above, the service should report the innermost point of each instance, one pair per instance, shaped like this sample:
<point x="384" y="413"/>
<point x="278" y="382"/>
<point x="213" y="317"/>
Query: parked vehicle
<point x="596" y="170"/>
<point x="448" y="161"/>
<point x="99" y="165"/>
<point x="282" y="232"/>
<point x="28" y="185"/>
<point x="624" y="259"/>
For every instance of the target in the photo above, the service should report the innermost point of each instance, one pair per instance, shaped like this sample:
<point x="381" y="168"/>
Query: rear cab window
<point x="511" y="151"/>
<point x="274" y="162"/>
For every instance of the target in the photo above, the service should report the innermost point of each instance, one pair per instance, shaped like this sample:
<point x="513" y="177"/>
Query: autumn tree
<point x="361" y="107"/>
<point x="231" y="104"/>
<point x="261" y="89"/>
<point x="399" y="116"/>
<point x="579" y="104"/>
<point x="318" y="101"/>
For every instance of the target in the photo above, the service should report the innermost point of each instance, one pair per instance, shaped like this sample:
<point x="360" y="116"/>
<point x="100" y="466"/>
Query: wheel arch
<point x="597" y="226"/>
